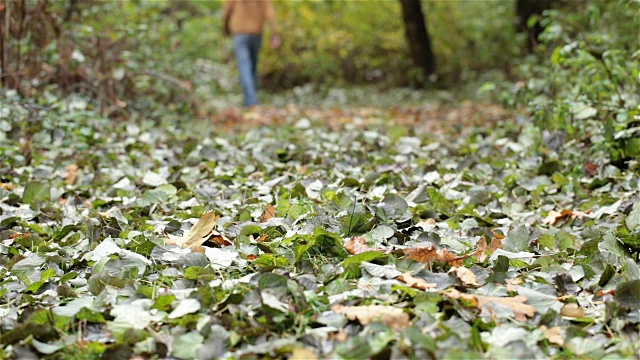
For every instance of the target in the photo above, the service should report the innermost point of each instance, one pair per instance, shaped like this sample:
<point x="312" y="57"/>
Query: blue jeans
<point x="247" y="47"/>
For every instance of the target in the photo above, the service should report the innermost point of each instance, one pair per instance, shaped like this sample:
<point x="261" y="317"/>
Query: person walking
<point x="245" y="20"/>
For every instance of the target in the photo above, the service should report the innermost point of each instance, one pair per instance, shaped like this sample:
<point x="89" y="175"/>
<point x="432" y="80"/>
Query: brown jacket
<point x="248" y="16"/>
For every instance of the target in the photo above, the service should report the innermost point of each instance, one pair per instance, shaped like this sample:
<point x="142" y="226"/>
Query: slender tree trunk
<point x="4" y="41"/>
<point x="525" y="9"/>
<point x="417" y="36"/>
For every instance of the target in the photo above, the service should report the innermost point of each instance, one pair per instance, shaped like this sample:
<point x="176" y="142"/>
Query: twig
<point x="610" y="75"/>
<point x="163" y="76"/>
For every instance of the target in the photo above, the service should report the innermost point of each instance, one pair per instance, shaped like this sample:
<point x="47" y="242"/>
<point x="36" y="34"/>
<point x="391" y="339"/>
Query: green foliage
<point x="588" y="87"/>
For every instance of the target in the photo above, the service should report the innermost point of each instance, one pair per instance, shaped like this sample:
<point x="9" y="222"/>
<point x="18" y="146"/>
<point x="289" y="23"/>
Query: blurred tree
<point x="417" y="36"/>
<point x="525" y="10"/>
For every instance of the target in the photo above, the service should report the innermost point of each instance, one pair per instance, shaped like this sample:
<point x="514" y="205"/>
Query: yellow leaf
<point x="391" y="316"/>
<point x="303" y="353"/>
<point x="555" y="335"/>
<point x="198" y="233"/>
<point x="72" y="174"/>
<point x="466" y="276"/>
<point x="357" y="245"/>
<point x="572" y="310"/>
<point x="414" y="282"/>
<point x="269" y="212"/>
<point x="516" y="303"/>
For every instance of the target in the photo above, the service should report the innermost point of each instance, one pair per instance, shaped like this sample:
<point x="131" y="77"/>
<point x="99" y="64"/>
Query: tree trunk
<point x="4" y="40"/>
<point x="525" y="9"/>
<point x="417" y="36"/>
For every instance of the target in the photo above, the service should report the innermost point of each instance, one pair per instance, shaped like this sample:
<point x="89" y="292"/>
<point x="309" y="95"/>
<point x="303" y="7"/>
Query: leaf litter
<point x="297" y="241"/>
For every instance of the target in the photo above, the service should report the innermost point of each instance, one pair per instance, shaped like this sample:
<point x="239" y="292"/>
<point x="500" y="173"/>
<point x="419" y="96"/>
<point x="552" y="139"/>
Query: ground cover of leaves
<point x="365" y="238"/>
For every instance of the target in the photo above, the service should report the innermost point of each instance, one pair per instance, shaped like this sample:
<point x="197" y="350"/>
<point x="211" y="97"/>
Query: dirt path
<point x="436" y="119"/>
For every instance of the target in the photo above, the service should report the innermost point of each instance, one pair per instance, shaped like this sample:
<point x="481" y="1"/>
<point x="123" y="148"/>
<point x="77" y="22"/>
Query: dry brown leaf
<point x="20" y="235"/>
<point x="416" y="283"/>
<point x="303" y="353"/>
<point x="7" y="186"/>
<point x="198" y="233"/>
<point x="391" y="316"/>
<point x="198" y="249"/>
<point x="590" y="169"/>
<point x="72" y="174"/>
<point x="269" y="212"/>
<point x="357" y="245"/>
<point x="572" y="310"/>
<point x="220" y="240"/>
<point x="466" y="276"/>
<point x="512" y="283"/>
<point x="430" y="253"/>
<point x="339" y="336"/>
<point x="553" y="216"/>
<point x="516" y="303"/>
<point x="251" y="257"/>
<point x="256" y="175"/>
<point x="484" y="250"/>
<point x="555" y="335"/>
<point x="602" y="293"/>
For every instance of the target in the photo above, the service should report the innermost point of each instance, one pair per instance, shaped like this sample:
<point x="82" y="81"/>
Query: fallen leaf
<point x="466" y="276"/>
<point x="511" y="283"/>
<point x="339" y="336"/>
<point x="72" y="174"/>
<point x="220" y="240"/>
<point x="590" y="169"/>
<point x="269" y="212"/>
<point x="303" y="353"/>
<point x="555" y="335"/>
<point x="20" y="235"/>
<point x="484" y="250"/>
<point x="198" y="233"/>
<point x="357" y="245"/>
<point x="554" y="216"/>
<point x="391" y="316"/>
<point x="603" y="292"/>
<point x="572" y="310"/>
<point x="251" y="257"/>
<point x="416" y="283"/>
<point x="516" y="303"/>
<point x="7" y="186"/>
<point x="431" y="253"/>
<point x="198" y="249"/>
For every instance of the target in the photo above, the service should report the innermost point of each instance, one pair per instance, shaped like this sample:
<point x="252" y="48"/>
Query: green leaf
<point x="194" y="272"/>
<point x="186" y="346"/>
<point x="36" y="192"/>
<point x="352" y="264"/>
<point x="628" y="294"/>
<point x="271" y="280"/>
<point x="607" y="274"/>
<point x="517" y="239"/>
<point x="163" y="302"/>
<point x="159" y="194"/>
<point x="632" y="270"/>
<point x="270" y="261"/>
<point x="633" y="219"/>
<point x="611" y="244"/>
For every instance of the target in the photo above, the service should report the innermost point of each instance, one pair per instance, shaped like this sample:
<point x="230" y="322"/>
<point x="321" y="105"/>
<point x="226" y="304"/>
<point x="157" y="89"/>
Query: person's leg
<point x="242" y="45"/>
<point x="254" y="47"/>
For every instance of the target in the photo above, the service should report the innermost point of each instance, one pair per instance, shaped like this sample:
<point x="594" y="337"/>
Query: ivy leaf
<point x="36" y="192"/>
<point x="517" y="240"/>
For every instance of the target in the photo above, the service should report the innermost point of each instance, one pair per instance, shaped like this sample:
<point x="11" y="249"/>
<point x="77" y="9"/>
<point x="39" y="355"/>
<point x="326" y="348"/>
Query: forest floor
<point x="453" y="230"/>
